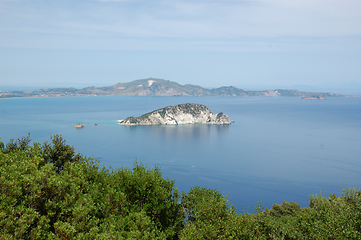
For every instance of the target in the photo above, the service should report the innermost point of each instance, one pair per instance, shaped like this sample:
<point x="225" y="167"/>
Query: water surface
<point x="278" y="148"/>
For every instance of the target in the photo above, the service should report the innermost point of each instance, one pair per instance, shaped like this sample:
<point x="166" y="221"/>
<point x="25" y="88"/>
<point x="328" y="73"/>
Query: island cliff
<point x="187" y="113"/>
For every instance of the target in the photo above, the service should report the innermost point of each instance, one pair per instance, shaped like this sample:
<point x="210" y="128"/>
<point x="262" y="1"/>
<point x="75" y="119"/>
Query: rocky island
<point x="187" y="113"/>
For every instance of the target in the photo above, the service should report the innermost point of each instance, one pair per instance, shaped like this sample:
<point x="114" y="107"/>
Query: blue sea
<point x="278" y="148"/>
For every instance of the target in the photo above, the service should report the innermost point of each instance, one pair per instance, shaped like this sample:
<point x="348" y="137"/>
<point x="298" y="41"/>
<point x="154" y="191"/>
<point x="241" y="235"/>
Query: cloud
<point x="213" y="18"/>
<point x="210" y="22"/>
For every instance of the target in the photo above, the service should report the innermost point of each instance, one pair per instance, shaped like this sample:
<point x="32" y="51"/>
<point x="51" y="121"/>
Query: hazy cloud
<point x="175" y="21"/>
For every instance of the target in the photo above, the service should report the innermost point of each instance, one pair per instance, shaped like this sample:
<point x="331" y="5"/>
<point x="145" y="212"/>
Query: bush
<point x="49" y="192"/>
<point x="208" y="216"/>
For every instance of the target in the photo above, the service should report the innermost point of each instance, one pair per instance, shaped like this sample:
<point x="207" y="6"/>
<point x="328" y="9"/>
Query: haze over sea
<point x="278" y="148"/>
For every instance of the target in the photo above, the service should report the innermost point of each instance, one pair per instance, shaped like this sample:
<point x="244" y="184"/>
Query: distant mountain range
<point x="161" y="87"/>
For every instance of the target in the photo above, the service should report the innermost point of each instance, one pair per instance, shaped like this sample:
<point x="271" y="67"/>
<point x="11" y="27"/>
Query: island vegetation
<point x="186" y="113"/>
<point x="50" y="192"/>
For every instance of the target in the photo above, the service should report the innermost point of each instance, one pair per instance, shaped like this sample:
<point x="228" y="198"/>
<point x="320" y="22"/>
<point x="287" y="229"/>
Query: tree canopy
<point x="50" y="192"/>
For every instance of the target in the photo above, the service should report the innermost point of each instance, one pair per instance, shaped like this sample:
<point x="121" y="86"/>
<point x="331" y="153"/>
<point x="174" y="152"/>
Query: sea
<point x="278" y="148"/>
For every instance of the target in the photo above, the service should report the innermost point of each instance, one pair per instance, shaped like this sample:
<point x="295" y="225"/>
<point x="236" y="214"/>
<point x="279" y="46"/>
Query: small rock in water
<point x="79" y="125"/>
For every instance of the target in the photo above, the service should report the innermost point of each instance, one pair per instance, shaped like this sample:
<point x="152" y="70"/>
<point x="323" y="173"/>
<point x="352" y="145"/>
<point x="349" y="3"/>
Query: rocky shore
<point x="187" y="113"/>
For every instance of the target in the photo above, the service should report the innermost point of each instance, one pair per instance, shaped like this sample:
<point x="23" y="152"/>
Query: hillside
<point x="160" y="87"/>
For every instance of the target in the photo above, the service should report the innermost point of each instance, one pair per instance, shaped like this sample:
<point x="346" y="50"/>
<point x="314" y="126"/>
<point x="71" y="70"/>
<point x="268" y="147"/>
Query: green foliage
<point x="259" y="208"/>
<point x="333" y="218"/>
<point x="339" y="216"/>
<point x="58" y="153"/>
<point x="78" y="200"/>
<point x="145" y="116"/>
<point x="18" y="144"/>
<point x="132" y="120"/>
<point x="220" y="115"/>
<point x="147" y="191"/>
<point x="208" y="216"/>
<point x="49" y="192"/>
<point x="285" y="209"/>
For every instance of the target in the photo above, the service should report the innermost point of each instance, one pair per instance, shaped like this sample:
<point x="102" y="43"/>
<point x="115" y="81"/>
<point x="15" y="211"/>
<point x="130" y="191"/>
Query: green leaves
<point x="145" y="190"/>
<point x="285" y="209"/>
<point x="49" y="192"/>
<point x="58" y="153"/>
<point x="19" y="144"/>
<point x="208" y="216"/>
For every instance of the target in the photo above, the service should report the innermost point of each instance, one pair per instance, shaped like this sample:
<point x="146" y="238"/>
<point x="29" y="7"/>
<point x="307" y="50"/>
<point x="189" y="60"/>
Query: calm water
<point x="277" y="149"/>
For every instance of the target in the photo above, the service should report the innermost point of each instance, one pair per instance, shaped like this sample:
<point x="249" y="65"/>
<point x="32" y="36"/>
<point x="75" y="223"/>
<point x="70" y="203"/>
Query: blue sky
<point x="245" y="43"/>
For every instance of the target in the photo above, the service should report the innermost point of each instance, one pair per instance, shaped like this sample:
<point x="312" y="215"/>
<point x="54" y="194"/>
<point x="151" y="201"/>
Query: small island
<point x="187" y="113"/>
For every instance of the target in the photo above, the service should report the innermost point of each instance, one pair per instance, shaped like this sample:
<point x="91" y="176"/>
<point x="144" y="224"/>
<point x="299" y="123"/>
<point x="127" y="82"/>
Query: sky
<point x="212" y="43"/>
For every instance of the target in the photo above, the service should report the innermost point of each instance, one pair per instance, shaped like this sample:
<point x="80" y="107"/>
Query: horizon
<point x="346" y="88"/>
<point x="208" y="43"/>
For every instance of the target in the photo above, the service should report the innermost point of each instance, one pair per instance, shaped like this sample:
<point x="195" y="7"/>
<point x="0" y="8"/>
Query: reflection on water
<point x="186" y="132"/>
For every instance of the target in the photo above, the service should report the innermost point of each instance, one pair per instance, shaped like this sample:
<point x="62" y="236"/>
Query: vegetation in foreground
<point x="49" y="192"/>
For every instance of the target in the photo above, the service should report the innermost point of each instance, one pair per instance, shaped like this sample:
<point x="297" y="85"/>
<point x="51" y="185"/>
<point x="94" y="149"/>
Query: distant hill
<point x="160" y="87"/>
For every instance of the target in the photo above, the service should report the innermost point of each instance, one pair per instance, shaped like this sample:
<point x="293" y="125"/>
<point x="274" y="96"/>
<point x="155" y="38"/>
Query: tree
<point x="285" y="209"/>
<point x="77" y="200"/>
<point x="67" y="196"/>
<point x="18" y="144"/>
<point x="208" y="216"/>
<point x="59" y="153"/>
